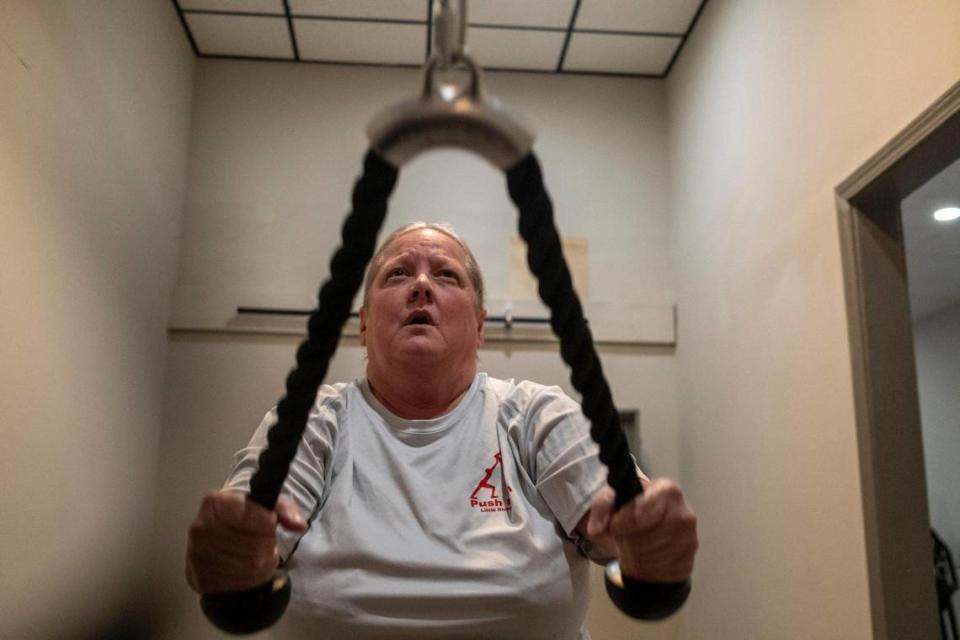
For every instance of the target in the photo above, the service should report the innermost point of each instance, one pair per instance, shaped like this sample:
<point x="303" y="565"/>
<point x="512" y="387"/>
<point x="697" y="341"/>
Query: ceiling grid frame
<point x="649" y="64"/>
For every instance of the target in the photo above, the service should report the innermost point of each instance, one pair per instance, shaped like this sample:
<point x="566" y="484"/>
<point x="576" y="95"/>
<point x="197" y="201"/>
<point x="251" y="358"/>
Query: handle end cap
<point x="246" y="612"/>
<point x="644" y="600"/>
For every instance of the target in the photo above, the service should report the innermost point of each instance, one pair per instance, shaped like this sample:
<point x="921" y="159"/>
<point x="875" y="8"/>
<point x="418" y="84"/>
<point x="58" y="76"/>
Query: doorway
<point x="870" y="206"/>
<point x="931" y="230"/>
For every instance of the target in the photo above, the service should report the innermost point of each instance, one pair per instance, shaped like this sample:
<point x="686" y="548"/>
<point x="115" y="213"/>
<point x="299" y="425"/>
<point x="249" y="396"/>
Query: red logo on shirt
<point x="485" y="497"/>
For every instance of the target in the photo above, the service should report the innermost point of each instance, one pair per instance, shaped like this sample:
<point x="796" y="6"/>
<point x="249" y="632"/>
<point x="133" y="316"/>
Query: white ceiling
<point x="619" y="37"/>
<point x="933" y="248"/>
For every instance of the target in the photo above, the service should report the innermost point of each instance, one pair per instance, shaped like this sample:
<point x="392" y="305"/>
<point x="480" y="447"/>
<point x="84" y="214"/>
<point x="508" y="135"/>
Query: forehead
<point x="428" y="242"/>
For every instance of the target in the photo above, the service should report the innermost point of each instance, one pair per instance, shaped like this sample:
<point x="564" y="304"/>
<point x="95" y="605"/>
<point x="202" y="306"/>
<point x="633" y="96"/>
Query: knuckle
<point x="267" y="551"/>
<point x="600" y="501"/>
<point x="267" y="564"/>
<point x="197" y="529"/>
<point x="684" y="519"/>
<point x="210" y="500"/>
<point x="672" y="490"/>
<point x="680" y="522"/>
<point x="262" y="566"/>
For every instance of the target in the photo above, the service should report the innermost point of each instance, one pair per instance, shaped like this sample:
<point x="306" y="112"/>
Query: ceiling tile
<point x="243" y="6"/>
<point x="648" y="55"/>
<point x="370" y="42"/>
<point x="529" y="13"/>
<point x="384" y="9"/>
<point x="648" y="16"/>
<point x="241" y="35"/>
<point x="515" y="48"/>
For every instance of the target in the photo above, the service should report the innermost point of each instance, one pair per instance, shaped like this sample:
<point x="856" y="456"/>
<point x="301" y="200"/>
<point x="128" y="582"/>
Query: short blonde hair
<point x="473" y="269"/>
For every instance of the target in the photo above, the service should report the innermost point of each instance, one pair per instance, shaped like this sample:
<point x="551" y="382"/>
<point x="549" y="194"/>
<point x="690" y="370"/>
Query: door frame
<point x="893" y="481"/>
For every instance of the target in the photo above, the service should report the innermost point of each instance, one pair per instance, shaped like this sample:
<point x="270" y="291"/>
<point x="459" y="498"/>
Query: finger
<point x="215" y="554"/>
<point x="641" y="515"/>
<point x="668" y="555"/>
<point x="231" y="542"/>
<point x="289" y="516"/>
<point x="209" y="535"/>
<point x="236" y="511"/>
<point x="648" y="511"/>
<point x="600" y="512"/>
<point x="219" y="573"/>
<point x="670" y="560"/>
<point x="646" y="544"/>
<point x="644" y="550"/>
<point x="672" y="564"/>
<point x="677" y="526"/>
<point x="668" y="574"/>
<point x="209" y="544"/>
<point x="215" y="563"/>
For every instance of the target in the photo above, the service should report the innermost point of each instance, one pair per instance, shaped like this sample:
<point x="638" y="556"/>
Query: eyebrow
<point x="434" y="256"/>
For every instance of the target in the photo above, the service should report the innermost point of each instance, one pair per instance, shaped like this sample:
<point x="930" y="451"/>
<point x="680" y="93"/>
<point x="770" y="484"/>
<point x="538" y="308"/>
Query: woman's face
<point x="422" y="307"/>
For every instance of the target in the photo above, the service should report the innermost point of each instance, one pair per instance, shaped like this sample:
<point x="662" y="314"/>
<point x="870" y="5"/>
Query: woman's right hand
<point x="233" y="541"/>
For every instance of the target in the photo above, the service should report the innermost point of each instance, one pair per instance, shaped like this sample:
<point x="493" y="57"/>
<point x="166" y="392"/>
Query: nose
<point x="421" y="288"/>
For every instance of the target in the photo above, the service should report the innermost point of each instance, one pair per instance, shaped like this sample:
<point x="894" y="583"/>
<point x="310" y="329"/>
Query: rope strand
<point x="359" y="239"/>
<point x="546" y="261"/>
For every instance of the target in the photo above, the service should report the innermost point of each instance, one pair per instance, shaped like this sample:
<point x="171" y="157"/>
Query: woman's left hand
<point x="654" y="535"/>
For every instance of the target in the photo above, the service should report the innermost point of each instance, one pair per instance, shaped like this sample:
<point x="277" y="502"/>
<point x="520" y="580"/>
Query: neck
<point x="419" y="395"/>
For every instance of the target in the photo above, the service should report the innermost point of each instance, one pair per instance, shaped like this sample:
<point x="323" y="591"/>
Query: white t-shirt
<point x="456" y="527"/>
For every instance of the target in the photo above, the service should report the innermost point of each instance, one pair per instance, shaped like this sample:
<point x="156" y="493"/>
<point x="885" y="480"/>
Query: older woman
<point x="439" y="502"/>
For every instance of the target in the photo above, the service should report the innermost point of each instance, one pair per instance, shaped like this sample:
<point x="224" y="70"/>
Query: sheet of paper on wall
<point x="523" y="286"/>
<point x="614" y="321"/>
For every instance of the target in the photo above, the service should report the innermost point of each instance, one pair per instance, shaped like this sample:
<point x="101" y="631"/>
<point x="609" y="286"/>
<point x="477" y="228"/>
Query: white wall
<point x="274" y="154"/>
<point x="94" y="124"/>
<point x="276" y="149"/>
<point x="770" y="106"/>
<point x="936" y="340"/>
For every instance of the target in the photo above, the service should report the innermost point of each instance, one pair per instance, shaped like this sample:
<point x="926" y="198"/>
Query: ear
<point x="363" y="326"/>
<point x="481" y="319"/>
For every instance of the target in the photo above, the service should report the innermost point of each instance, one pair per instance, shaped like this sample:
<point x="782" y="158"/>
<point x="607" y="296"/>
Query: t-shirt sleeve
<point x="566" y="469"/>
<point x="310" y="470"/>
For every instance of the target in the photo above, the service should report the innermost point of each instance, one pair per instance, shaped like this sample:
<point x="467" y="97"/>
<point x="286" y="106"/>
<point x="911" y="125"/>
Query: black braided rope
<point x="546" y="261"/>
<point x="359" y="235"/>
<point x="257" y="609"/>
<point x="545" y="257"/>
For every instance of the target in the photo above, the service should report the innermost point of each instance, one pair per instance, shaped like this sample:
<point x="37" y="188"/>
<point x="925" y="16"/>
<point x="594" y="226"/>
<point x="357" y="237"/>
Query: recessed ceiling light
<point x="946" y="214"/>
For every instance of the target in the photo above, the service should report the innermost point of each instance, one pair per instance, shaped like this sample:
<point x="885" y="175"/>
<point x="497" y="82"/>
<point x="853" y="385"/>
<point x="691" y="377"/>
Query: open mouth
<point x="420" y="318"/>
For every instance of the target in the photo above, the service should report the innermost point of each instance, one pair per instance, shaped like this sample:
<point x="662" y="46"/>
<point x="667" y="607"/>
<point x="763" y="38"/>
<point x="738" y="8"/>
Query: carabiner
<point x="449" y="31"/>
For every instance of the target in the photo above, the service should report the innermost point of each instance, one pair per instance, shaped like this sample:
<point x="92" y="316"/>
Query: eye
<point x="396" y="272"/>
<point x="449" y="274"/>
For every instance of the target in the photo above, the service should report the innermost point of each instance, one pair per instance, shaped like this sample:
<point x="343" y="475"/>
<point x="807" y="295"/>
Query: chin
<point x="421" y="347"/>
